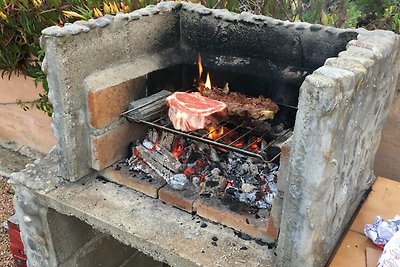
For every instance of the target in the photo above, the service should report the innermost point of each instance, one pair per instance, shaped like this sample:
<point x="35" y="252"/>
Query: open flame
<point x="202" y="86"/>
<point x="208" y="81"/>
<point x="200" y="66"/>
<point x="215" y="132"/>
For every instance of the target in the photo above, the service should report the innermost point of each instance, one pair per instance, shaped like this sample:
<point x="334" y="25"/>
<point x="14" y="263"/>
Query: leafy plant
<point x="21" y="22"/>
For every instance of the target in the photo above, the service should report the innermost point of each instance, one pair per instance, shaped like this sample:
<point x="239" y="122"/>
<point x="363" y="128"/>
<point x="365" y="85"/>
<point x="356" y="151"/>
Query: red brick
<point x="105" y="105"/>
<point x="123" y="177"/>
<point x="272" y="230"/>
<point x="181" y="199"/>
<point x="214" y="210"/>
<point x="112" y="146"/>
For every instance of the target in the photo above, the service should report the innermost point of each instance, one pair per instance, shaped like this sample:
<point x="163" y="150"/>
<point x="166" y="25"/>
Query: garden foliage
<point x="21" y="22"/>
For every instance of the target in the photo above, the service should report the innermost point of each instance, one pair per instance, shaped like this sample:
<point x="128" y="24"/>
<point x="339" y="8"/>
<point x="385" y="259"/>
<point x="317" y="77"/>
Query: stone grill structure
<point x="347" y="81"/>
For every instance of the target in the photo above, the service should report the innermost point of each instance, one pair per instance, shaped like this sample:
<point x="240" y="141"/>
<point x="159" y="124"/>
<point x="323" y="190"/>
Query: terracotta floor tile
<point x="352" y="251"/>
<point x="383" y="200"/>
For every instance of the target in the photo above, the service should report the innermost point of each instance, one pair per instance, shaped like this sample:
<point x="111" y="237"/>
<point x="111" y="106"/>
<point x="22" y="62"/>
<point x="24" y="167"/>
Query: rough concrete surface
<point x="342" y="108"/>
<point x="159" y="230"/>
<point x="14" y="158"/>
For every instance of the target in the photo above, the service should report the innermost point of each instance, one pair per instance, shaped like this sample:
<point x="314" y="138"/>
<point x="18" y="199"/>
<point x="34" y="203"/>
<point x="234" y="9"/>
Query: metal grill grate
<point x="273" y="136"/>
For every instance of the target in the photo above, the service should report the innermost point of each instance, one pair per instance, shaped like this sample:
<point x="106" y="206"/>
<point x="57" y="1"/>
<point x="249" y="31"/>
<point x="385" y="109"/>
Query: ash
<point x="191" y="165"/>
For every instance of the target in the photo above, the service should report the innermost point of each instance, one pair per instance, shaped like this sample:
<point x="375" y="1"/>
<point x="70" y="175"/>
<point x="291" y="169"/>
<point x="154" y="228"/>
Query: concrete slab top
<point x="161" y="231"/>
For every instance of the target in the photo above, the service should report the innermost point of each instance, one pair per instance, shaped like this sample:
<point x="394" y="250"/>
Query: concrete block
<point x="151" y="34"/>
<point x="337" y="130"/>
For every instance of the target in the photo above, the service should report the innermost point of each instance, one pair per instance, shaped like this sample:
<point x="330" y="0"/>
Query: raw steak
<point x="192" y="111"/>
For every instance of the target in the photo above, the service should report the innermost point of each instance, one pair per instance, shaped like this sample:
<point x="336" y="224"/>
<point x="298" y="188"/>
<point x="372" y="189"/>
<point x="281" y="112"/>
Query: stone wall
<point x="342" y="108"/>
<point x="102" y="58"/>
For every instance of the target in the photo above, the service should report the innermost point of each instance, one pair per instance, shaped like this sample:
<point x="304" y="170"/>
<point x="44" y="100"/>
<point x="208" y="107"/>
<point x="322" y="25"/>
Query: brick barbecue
<point x="333" y="86"/>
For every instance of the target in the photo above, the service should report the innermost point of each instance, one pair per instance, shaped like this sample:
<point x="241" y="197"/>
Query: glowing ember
<point x="238" y="143"/>
<point x="136" y="152"/>
<point x="177" y="148"/>
<point x="255" y="143"/>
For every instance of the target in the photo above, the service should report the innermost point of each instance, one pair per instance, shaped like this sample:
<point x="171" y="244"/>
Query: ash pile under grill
<point x="211" y="172"/>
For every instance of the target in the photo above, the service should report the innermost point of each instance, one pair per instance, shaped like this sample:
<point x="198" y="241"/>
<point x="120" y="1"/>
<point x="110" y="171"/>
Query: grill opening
<point x="275" y="135"/>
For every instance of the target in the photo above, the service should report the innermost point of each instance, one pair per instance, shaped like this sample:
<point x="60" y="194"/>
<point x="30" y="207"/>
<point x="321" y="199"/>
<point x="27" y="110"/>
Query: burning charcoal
<point x="193" y="156"/>
<point x="251" y="179"/>
<point x="215" y="172"/>
<point x="214" y="155"/>
<point x="177" y="181"/>
<point x="196" y="181"/>
<point x="231" y="191"/>
<point x="247" y="188"/>
<point x="205" y="194"/>
<point x="212" y="183"/>
<point x="253" y="169"/>
<point x="245" y="167"/>
<point x="273" y="166"/>
<point x="147" y="144"/>
<point x="247" y="197"/>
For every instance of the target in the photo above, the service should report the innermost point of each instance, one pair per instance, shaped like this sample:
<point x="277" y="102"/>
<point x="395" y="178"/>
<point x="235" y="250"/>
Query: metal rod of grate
<point x="163" y="123"/>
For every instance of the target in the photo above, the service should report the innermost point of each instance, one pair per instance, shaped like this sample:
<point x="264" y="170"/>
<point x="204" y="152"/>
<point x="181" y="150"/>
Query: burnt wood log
<point x="148" y="108"/>
<point x="167" y="159"/>
<point x="148" y="157"/>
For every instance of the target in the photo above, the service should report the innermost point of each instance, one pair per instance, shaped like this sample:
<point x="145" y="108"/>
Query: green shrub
<point x="21" y="22"/>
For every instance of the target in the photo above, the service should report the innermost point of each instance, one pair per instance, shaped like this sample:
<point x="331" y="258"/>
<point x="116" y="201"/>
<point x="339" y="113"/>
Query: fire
<point x="200" y="67"/>
<point x="177" y="148"/>
<point x="255" y="143"/>
<point x="238" y="143"/>
<point x="202" y="86"/>
<point x="208" y="81"/>
<point x="214" y="133"/>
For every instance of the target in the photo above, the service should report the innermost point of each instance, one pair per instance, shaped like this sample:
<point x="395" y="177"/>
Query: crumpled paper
<point x="381" y="231"/>
<point x="391" y="253"/>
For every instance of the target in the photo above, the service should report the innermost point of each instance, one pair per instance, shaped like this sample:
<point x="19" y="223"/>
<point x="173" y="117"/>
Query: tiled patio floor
<point x="356" y="250"/>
